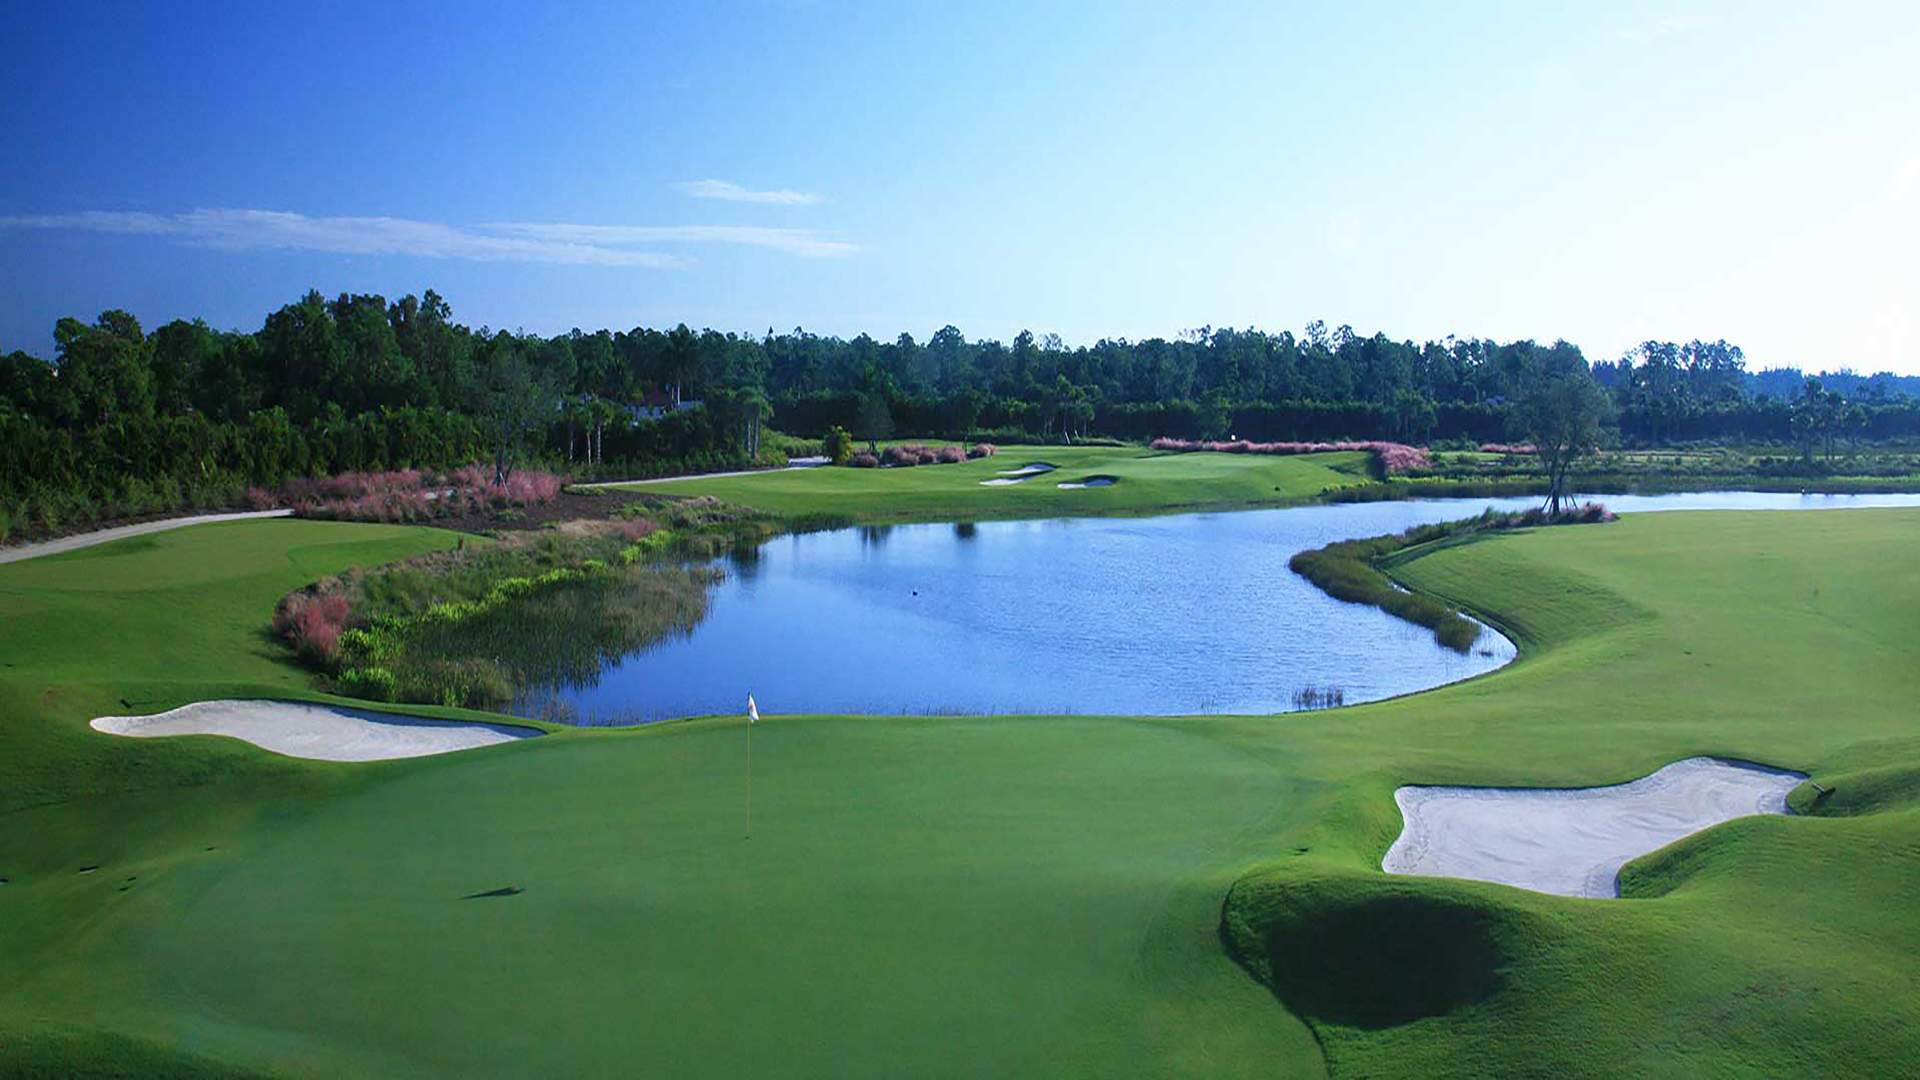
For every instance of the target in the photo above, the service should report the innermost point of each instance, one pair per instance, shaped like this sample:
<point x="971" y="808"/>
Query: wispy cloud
<point x="732" y="192"/>
<point x="1665" y="26"/>
<point x="581" y="245"/>
<point x="804" y="242"/>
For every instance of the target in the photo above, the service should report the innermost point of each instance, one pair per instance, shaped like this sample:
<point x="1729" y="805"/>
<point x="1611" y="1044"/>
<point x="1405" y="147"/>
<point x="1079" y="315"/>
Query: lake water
<point x="1189" y="613"/>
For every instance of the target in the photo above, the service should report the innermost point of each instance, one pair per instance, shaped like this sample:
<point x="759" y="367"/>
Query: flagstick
<point x="749" y="779"/>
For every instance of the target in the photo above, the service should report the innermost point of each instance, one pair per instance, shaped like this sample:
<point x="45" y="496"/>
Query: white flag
<point x="753" y="711"/>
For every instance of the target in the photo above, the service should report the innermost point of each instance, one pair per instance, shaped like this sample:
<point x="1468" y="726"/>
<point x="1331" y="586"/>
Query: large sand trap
<point x="320" y="732"/>
<point x="1573" y="841"/>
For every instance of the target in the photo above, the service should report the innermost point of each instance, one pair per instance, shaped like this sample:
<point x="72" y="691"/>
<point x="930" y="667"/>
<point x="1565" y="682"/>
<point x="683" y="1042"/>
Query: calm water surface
<point x="1192" y="613"/>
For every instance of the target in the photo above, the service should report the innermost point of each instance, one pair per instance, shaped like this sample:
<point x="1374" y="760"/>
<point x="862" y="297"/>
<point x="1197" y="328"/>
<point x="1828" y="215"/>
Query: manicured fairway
<point x="1145" y="482"/>
<point x="965" y="896"/>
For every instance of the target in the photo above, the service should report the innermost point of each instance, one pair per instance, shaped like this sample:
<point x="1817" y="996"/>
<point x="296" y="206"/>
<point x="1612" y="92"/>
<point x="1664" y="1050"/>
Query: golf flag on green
<point x="753" y="717"/>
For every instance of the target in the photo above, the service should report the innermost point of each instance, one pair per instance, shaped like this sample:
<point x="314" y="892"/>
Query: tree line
<point x="185" y="412"/>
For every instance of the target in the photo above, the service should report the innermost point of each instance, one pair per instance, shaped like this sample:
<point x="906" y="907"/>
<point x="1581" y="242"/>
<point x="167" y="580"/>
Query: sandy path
<point x="1573" y="841"/>
<point x="319" y="732"/>
<point x="82" y="540"/>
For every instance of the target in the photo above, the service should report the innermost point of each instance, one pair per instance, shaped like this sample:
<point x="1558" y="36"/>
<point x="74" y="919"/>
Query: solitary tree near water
<point x="1561" y="412"/>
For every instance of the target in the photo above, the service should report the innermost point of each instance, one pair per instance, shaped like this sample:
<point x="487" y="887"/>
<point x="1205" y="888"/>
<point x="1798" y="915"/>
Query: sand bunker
<point x="320" y="732"/>
<point x="1031" y="468"/>
<point x="1089" y="482"/>
<point x="1002" y="481"/>
<point x="1573" y="841"/>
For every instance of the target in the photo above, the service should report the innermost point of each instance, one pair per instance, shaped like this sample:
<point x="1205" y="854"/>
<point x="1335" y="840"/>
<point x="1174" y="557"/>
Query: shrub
<point x="372" y="683"/>
<point x="951" y="455"/>
<point x="312" y="622"/>
<point x="863" y="460"/>
<point x="980" y="450"/>
<point x="900" y="456"/>
<point x="838" y="445"/>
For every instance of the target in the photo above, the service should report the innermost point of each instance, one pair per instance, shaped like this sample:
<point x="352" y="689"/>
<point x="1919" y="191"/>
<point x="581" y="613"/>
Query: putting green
<point x="960" y="896"/>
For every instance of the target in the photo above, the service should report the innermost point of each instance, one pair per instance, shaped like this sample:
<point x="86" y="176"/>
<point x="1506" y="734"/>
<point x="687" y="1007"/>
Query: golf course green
<point x="967" y="896"/>
<point x="1144" y="482"/>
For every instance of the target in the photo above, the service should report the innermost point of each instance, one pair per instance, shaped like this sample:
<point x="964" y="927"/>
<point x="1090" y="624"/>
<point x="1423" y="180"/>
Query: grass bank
<point x="1354" y="570"/>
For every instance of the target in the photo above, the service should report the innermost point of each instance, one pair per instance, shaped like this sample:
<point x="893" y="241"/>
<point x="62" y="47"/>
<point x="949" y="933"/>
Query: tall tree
<point x="1561" y="411"/>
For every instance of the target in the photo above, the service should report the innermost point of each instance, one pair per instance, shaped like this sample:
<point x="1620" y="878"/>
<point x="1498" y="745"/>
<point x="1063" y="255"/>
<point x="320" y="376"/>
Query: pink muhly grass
<point x="952" y="455"/>
<point x="980" y="450"/>
<point x="312" y="624"/>
<point x="1394" y="457"/>
<point x="1508" y="448"/>
<point x="863" y="460"/>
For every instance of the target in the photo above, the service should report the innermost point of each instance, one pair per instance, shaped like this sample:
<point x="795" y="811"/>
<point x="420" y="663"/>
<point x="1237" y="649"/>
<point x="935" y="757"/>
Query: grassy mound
<point x="1342" y="949"/>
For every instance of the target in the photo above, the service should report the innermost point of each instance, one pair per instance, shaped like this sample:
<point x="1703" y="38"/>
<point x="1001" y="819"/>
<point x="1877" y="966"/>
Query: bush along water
<point x="536" y="609"/>
<point x="1350" y="570"/>
<point x="476" y="626"/>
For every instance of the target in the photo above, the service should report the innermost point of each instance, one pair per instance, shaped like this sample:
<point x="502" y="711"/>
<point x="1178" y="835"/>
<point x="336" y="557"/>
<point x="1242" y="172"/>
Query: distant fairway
<point x="1144" y="482"/>
<point x="1030" y="896"/>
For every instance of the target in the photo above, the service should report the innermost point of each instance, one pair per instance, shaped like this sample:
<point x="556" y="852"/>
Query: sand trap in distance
<point x="320" y="732"/>
<point x="1573" y="841"/>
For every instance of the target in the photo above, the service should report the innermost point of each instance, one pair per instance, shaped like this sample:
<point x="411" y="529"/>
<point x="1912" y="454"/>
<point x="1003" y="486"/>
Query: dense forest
<point x="125" y="421"/>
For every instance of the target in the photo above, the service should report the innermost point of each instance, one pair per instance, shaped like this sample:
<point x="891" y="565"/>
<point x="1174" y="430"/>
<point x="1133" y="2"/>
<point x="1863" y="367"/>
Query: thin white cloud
<point x="803" y="242"/>
<point x="580" y="245"/>
<point x="732" y="192"/>
<point x="1665" y="26"/>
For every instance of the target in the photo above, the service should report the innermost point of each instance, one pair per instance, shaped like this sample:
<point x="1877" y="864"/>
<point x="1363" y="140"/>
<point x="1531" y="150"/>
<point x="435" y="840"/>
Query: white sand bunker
<point x="1089" y="482"/>
<point x="1002" y="481"/>
<point x="320" y="732"/>
<point x="1573" y="841"/>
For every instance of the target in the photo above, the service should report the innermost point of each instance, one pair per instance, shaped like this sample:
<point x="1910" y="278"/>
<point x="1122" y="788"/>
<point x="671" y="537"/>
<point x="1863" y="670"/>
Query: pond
<point x="1189" y="613"/>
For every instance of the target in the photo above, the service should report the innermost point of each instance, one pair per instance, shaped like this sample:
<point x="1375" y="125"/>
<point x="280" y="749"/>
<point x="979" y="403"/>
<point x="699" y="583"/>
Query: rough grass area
<point x="998" y="896"/>
<point x="1146" y="482"/>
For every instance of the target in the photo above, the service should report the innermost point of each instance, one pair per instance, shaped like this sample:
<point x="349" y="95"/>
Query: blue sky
<point x="1629" y="171"/>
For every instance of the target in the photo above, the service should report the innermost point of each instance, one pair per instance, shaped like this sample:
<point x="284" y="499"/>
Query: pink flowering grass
<point x="412" y="495"/>
<point x="312" y="623"/>
<point x="902" y="455"/>
<point x="863" y="460"/>
<point x="1394" y="457"/>
<point x="1508" y="448"/>
<point x="981" y="450"/>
